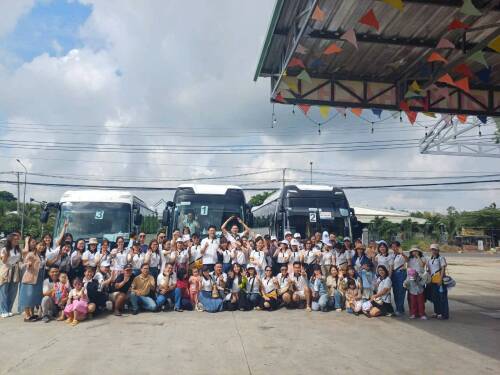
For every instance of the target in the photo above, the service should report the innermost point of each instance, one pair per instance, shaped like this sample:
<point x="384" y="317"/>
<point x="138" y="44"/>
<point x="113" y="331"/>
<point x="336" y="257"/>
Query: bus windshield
<point x="302" y="224"/>
<point x="95" y="219"/>
<point x="198" y="212"/>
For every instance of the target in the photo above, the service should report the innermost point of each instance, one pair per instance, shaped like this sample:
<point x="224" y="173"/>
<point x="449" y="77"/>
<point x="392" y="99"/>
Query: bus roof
<point x="209" y="189"/>
<point x="315" y="187"/>
<point x="111" y="196"/>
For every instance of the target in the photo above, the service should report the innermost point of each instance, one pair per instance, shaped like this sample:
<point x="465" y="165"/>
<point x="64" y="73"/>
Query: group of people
<point x="72" y="280"/>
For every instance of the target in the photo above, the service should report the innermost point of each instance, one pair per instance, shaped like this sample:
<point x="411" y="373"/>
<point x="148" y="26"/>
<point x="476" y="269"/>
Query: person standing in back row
<point x="209" y="247"/>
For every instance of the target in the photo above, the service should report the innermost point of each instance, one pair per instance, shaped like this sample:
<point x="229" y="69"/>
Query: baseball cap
<point x="284" y="242"/>
<point x="434" y="246"/>
<point x="128" y="266"/>
<point x="347" y="239"/>
<point x="93" y="241"/>
<point x="273" y="238"/>
<point x="294" y="242"/>
<point x="186" y="237"/>
<point x="296" y="235"/>
<point x="288" y="233"/>
<point x="105" y="263"/>
<point x="179" y="240"/>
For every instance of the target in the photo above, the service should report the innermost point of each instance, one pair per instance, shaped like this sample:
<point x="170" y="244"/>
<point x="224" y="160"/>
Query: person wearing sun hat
<point x="439" y="292"/>
<point x="417" y="260"/>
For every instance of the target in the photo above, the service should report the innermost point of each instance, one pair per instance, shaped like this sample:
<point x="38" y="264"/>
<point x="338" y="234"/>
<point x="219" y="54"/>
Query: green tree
<point x="7" y="197"/>
<point x="258" y="199"/>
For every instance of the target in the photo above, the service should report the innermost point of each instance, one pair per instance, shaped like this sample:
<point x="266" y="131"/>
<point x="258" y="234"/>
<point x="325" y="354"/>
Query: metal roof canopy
<point x="379" y="72"/>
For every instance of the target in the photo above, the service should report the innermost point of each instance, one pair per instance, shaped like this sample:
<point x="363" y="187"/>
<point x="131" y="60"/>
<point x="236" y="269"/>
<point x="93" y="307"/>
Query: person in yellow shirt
<point x="142" y="291"/>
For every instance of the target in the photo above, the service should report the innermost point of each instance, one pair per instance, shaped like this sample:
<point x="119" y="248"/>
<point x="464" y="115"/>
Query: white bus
<point x="199" y="206"/>
<point x="305" y="209"/>
<point x="102" y="214"/>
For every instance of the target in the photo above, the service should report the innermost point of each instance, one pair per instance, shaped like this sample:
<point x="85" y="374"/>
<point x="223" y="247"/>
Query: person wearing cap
<point x="280" y="256"/>
<point x="300" y="285"/>
<point x="327" y="258"/>
<point x="288" y="237"/>
<point x="88" y="257"/>
<point x="383" y="258"/>
<point x="136" y="258"/>
<point x="143" y="286"/>
<point x="398" y="277"/>
<point x="417" y="260"/>
<point x="121" y="286"/>
<point x="258" y="256"/>
<point x="233" y="235"/>
<point x="293" y="255"/>
<point x="416" y="299"/>
<point x="439" y="292"/>
<point x="296" y="236"/>
<point x="252" y="297"/>
<point x="209" y="248"/>
<point x="153" y="258"/>
<point x="104" y="279"/>
<point x="165" y="287"/>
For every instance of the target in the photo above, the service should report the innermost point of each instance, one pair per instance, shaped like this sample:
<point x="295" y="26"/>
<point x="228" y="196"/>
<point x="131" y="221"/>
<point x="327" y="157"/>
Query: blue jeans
<point x="147" y="303"/>
<point x="182" y="303"/>
<point x="439" y="296"/>
<point x="335" y="302"/>
<point x="398" y="277"/>
<point x="8" y="293"/>
<point x="161" y="299"/>
<point x="321" y="303"/>
<point x="253" y="299"/>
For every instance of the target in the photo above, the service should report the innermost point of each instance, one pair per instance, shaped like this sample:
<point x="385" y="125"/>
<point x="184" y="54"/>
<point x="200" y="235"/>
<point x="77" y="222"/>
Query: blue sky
<point x="49" y="23"/>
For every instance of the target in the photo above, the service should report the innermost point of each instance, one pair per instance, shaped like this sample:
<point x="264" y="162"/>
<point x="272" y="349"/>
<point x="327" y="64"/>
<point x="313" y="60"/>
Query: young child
<point x="353" y="297"/>
<point x="415" y="286"/>
<point x="76" y="308"/>
<point x="194" y="287"/>
<point x="61" y="291"/>
<point x="366" y="281"/>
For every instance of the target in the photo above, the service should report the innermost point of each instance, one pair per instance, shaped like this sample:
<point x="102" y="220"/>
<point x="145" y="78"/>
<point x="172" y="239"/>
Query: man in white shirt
<point x="302" y="292"/>
<point x="233" y="235"/>
<point x="209" y="248"/>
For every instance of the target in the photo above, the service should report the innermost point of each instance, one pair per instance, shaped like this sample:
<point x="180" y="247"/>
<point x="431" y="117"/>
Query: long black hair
<point x="385" y="270"/>
<point x="9" y="246"/>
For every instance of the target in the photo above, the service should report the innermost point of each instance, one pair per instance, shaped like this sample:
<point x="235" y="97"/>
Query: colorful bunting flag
<point x="350" y="36"/>
<point x="483" y="118"/>
<point x="464" y="70"/>
<point x="398" y="4"/>
<point x="484" y="75"/>
<point x="357" y="111"/>
<point x="462" y="118"/>
<point x="469" y="9"/>
<point x="446" y="78"/>
<point x="445" y="43"/>
<point x="304" y="76"/>
<point x="332" y="48"/>
<point x="404" y="105"/>
<point x="304" y="107"/>
<point x="318" y="14"/>
<point x="457" y="24"/>
<point x="412" y="94"/>
<point x="434" y="56"/>
<point x="412" y="116"/>
<point x="415" y="86"/>
<point x="463" y="84"/>
<point x="291" y="83"/>
<point x="279" y="98"/>
<point x="495" y="44"/>
<point x="430" y="114"/>
<point x="324" y="110"/>
<point x="295" y="61"/>
<point x="301" y="49"/>
<point x="479" y="58"/>
<point x="369" y="19"/>
<point x="377" y="112"/>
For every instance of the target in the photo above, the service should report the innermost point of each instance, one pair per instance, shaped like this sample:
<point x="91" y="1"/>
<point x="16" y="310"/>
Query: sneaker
<point x="10" y="314"/>
<point x="389" y="314"/>
<point x="109" y="305"/>
<point x="423" y="317"/>
<point x="258" y="308"/>
<point x="45" y="319"/>
<point x="412" y="316"/>
<point x="4" y="315"/>
<point x="178" y="309"/>
<point x="338" y="310"/>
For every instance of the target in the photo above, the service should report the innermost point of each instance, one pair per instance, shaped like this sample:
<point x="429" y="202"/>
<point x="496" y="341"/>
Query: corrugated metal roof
<point x="419" y="21"/>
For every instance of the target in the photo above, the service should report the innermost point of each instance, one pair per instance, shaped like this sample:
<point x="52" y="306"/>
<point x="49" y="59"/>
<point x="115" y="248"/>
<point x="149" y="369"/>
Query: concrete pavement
<point x="291" y="342"/>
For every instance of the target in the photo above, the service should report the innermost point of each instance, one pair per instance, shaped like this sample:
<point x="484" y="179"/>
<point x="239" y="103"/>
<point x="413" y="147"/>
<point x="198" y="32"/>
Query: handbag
<point x="436" y="278"/>
<point x="271" y="295"/>
<point x="449" y="282"/>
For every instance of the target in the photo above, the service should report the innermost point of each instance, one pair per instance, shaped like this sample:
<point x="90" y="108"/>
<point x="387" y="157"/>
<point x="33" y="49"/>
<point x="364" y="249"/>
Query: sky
<point x="81" y="77"/>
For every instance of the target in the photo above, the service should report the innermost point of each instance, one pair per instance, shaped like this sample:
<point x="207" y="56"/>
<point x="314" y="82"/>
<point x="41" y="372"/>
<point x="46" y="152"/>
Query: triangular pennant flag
<point x="434" y="56"/>
<point x="350" y="36"/>
<point x="404" y="105"/>
<point x="479" y="58"/>
<point x="398" y="4"/>
<point x="301" y="49"/>
<point x="324" y="110"/>
<point x="291" y="83"/>
<point x="340" y="110"/>
<point x="377" y="112"/>
<point x="412" y="94"/>
<point x="483" y="119"/>
<point x="357" y="111"/>
<point x="415" y="86"/>
<point x="446" y="78"/>
<point x="469" y="9"/>
<point x="412" y="116"/>
<point x="332" y="48"/>
<point x="279" y="98"/>
<point x="445" y="43"/>
<point x="495" y="44"/>
<point x="462" y="118"/>
<point x="304" y="76"/>
<point x="484" y="75"/>
<point x="464" y="70"/>
<point x="457" y="24"/>
<point x="369" y="19"/>
<point x="304" y="107"/>
<point x="318" y="14"/>
<point x="295" y="61"/>
<point x="430" y="114"/>
<point x="463" y="84"/>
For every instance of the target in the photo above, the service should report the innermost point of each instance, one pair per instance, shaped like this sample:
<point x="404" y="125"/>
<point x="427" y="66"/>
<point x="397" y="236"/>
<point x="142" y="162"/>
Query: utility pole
<point x="24" y="196"/>
<point x="18" y="193"/>
<point x="311" y="163"/>
<point x="284" y="171"/>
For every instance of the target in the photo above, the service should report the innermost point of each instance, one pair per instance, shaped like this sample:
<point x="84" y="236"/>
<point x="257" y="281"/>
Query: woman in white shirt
<point x="153" y="258"/>
<point x="225" y="254"/>
<point x="269" y="290"/>
<point x="281" y="256"/>
<point x="439" y="292"/>
<point x="10" y="258"/>
<point x="119" y="255"/>
<point x="398" y="277"/>
<point x="381" y="301"/>
<point x="383" y="258"/>
<point x="258" y="257"/>
<point x="416" y="260"/>
<point x="293" y="255"/>
<point x="239" y="255"/>
<point x="310" y="256"/>
<point x="235" y="282"/>
<point x="136" y="258"/>
<point x="252" y="290"/>
<point x="209" y="299"/>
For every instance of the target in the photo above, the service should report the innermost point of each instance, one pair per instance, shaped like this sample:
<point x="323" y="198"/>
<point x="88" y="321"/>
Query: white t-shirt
<point x="171" y="282"/>
<point x="399" y="262"/>
<point x="226" y="256"/>
<point x="210" y="256"/>
<point x="294" y="256"/>
<point x="340" y="258"/>
<point x="310" y="255"/>
<point x="195" y="253"/>
<point x="90" y="257"/>
<point x="206" y="284"/>
<point x="383" y="284"/>
<point x="300" y="282"/>
<point x="259" y="259"/>
<point x="326" y="258"/>
<point x="137" y="261"/>
<point x="416" y="264"/>
<point x="268" y="284"/>
<point x="154" y="260"/>
<point x="239" y="257"/>
<point x="436" y="264"/>
<point x="48" y="285"/>
<point x="384" y="260"/>
<point x="283" y="280"/>
<point x="253" y="285"/>
<point x="13" y="258"/>
<point x="183" y="256"/>
<point x="215" y="277"/>
<point x="231" y="238"/>
<point x="119" y="260"/>
<point x="282" y="257"/>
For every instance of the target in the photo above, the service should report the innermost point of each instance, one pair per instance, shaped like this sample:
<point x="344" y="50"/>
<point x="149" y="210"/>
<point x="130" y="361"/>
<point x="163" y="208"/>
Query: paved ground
<point x="291" y="342"/>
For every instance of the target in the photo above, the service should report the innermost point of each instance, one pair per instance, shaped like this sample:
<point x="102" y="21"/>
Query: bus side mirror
<point x="137" y="219"/>
<point x="44" y="216"/>
<point x="165" y="220"/>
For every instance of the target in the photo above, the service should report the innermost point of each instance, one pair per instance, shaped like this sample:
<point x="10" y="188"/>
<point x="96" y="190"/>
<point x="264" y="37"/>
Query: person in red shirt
<point x="182" y="298"/>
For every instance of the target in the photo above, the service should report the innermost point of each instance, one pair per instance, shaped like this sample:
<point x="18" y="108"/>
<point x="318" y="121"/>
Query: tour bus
<point x="199" y="206"/>
<point x="305" y="209"/>
<point x="102" y="214"/>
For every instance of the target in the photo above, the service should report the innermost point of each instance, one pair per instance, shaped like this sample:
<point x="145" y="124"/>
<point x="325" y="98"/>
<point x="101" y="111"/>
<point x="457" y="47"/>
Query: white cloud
<point x="10" y="12"/>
